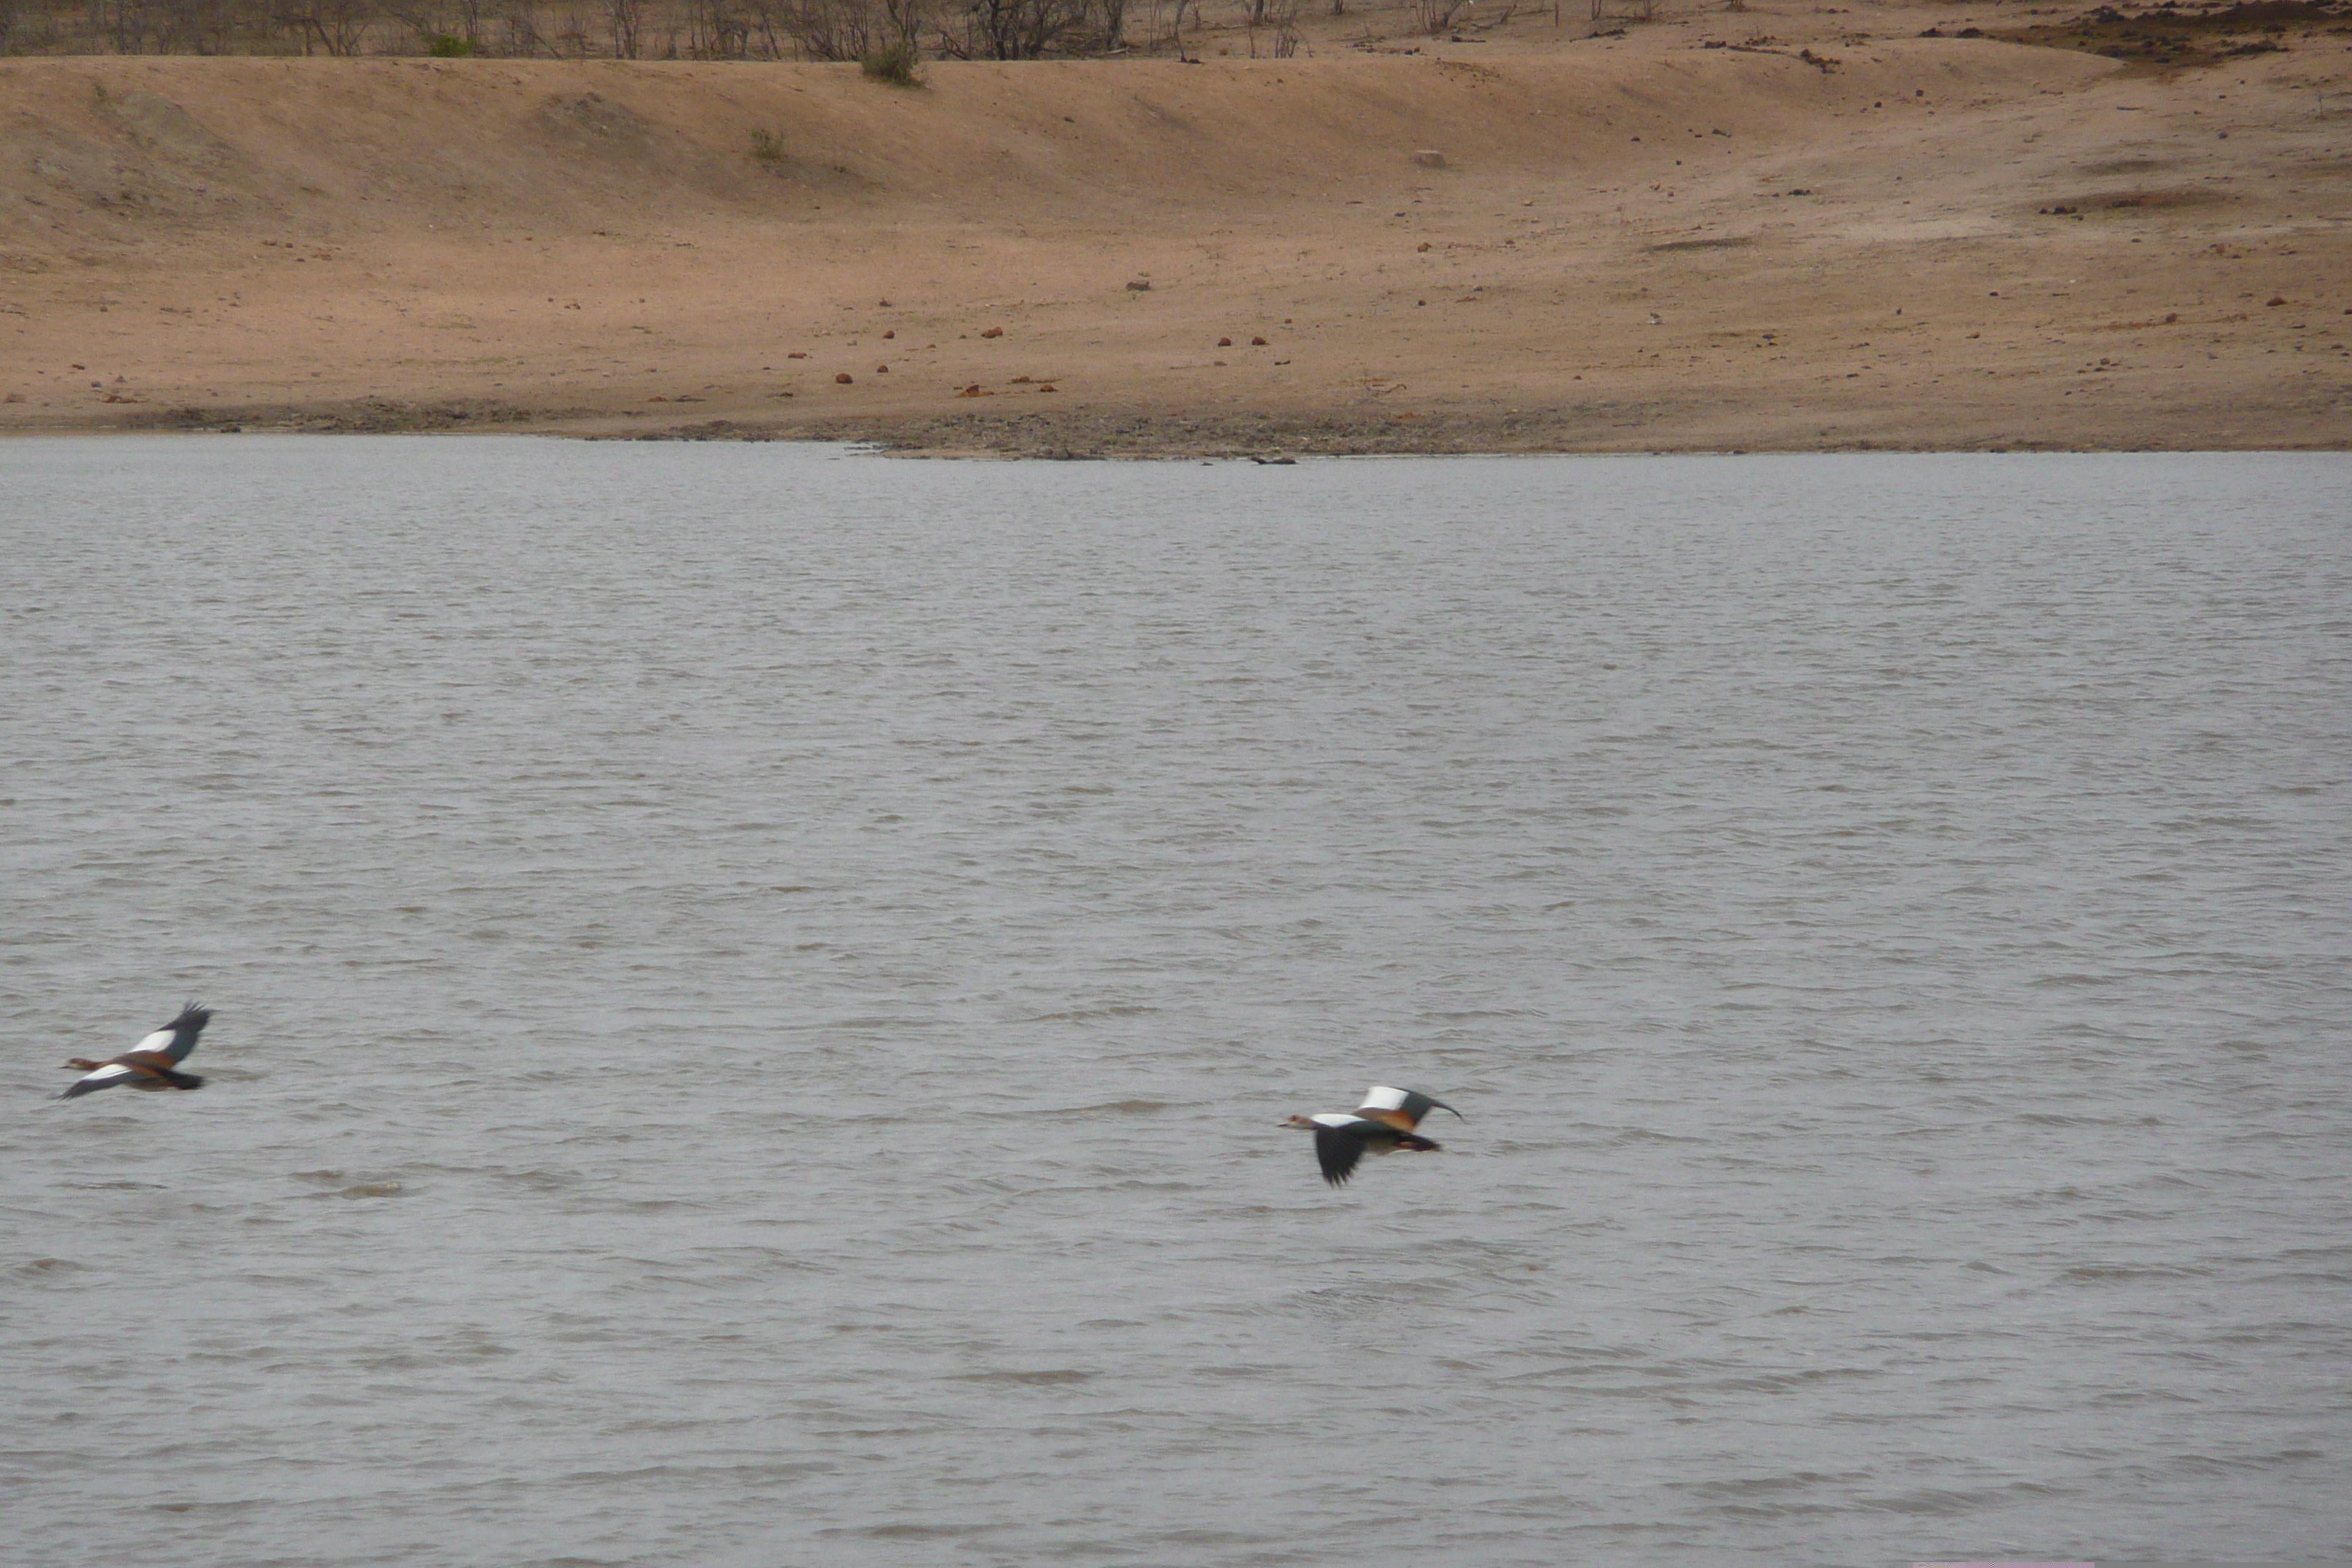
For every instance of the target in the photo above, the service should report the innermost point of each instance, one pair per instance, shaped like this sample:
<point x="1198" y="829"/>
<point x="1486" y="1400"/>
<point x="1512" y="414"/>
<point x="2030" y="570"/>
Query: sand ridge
<point x="1690" y="237"/>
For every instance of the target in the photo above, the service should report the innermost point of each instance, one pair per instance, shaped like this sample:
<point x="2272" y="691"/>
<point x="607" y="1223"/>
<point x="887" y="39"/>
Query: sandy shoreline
<point x="1689" y="239"/>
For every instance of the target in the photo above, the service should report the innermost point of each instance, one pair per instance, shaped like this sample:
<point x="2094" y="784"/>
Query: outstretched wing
<point x="178" y="1037"/>
<point x="105" y="1076"/>
<point x="1401" y="1108"/>
<point x="1339" y="1148"/>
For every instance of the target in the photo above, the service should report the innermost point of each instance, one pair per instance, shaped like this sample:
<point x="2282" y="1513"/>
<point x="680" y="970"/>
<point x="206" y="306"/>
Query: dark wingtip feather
<point x="1339" y="1150"/>
<point x="185" y="1030"/>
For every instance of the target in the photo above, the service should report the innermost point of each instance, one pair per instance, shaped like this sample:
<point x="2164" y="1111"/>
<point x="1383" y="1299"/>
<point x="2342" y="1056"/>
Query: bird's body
<point x="1383" y="1124"/>
<point x="152" y="1064"/>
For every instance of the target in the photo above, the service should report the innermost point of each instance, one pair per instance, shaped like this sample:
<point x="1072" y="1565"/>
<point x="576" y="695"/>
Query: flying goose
<point x="1382" y="1124"/>
<point x="153" y="1064"/>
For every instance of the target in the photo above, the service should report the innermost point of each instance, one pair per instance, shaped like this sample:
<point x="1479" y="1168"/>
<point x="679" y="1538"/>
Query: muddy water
<point x="756" y="986"/>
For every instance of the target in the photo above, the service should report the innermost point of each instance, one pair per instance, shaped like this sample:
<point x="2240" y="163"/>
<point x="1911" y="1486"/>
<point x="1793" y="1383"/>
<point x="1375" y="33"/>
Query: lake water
<point x="756" y="984"/>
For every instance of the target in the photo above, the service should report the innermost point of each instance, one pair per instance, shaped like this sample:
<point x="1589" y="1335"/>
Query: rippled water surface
<point x="756" y="986"/>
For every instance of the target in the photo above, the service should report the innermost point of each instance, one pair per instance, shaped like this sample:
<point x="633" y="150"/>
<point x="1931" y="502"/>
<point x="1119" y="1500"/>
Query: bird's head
<point x="1303" y="1124"/>
<point x="81" y="1064"/>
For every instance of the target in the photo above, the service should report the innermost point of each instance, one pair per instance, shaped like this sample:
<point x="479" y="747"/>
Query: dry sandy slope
<point x="1611" y="258"/>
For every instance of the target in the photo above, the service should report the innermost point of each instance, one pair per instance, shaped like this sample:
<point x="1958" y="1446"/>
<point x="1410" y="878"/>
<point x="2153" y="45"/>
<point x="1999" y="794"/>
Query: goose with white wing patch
<point x="152" y="1064"/>
<point x="1383" y="1124"/>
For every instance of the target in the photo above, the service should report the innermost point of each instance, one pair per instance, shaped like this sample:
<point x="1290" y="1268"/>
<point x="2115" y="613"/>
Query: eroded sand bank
<point x="1639" y="243"/>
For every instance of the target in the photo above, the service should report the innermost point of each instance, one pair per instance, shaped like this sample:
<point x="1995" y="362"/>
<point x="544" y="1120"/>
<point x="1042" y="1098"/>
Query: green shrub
<point x="893" y="63"/>
<point x="767" y="147"/>
<point x="449" y="47"/>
